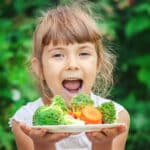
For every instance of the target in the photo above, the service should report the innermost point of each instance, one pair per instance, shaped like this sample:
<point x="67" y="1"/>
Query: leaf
<point x="143" y="76"/>
<point x="5" y="24"/>
<point x="6" y="139"/>
<point x="136" y="25"/>
<point x="142" y="61"/>
<point x="143" y="73"/>
<point x="143" y="7"/>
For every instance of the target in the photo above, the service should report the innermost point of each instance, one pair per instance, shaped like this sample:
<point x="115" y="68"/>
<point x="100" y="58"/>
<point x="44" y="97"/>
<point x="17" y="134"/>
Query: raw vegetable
<point x="59" y="102"/>
<point x="79" y="101"/>
<point x="55" y="114"/>
<point x="46" y="115"/>
<point x="51" y="115"/>
<point x="83" y="112"/>
<point x="108" y="112"/>
<point x="91" y="115"/>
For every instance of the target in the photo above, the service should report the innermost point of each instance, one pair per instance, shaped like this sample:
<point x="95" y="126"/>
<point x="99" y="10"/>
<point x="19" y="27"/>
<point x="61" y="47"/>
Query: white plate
<point x="78" y="128"/>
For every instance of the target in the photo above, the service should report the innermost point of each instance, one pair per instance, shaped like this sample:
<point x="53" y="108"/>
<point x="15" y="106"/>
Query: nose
<point x="72" y="63"/>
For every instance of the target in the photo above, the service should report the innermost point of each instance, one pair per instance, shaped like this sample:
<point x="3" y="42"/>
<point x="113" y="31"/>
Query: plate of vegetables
<point x="82" y="117"/>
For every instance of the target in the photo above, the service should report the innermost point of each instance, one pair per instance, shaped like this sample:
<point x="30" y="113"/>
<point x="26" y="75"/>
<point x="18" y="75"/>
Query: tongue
<point x="72" y="85"/>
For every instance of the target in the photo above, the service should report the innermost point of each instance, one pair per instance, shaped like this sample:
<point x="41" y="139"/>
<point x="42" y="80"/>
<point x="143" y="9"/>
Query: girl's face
<point x="70" y="69"/>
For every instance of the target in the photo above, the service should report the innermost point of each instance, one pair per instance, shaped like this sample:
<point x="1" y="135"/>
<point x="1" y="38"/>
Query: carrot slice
<point x="91" y="115"/>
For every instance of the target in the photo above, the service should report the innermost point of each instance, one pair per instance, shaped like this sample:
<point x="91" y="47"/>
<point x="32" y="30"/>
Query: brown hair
<point x="70" y="24"/>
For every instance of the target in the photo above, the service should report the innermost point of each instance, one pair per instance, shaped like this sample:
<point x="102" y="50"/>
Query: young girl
<point x="68" y="57"/>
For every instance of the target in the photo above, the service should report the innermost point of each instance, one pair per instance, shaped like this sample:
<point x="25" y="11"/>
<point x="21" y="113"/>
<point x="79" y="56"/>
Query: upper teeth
<point x="71" y="78"/>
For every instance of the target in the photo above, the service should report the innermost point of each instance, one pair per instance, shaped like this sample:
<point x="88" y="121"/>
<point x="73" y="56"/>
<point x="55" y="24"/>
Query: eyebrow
<point x="82" y="46"/>
<point x="86" y="44"/>
<point x="56" y="48"/>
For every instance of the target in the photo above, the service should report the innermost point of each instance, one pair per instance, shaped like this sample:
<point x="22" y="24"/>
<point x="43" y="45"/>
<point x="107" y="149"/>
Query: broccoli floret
<point x="51" y="115"/>
<point x="46" y="115"/>
<point x="59" y="102"/>
<point x="79" y="101"/>
<point x="108" y="112"/>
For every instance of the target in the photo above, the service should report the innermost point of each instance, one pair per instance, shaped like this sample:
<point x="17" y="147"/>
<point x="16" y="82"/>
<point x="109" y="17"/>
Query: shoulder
<point x="119" y="142"/>
<point x="25" y="113"/>
<point x="30" y="106"/>
<point x="33" y="105"/>
<point x="124" y="117"/>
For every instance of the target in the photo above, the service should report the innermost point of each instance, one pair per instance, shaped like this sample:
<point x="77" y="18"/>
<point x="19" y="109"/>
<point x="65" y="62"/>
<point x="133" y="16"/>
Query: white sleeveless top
<point x="73" y="142"/>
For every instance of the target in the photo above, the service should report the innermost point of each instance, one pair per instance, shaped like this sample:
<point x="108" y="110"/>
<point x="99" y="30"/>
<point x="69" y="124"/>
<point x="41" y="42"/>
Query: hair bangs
<point x="67" y="29"/>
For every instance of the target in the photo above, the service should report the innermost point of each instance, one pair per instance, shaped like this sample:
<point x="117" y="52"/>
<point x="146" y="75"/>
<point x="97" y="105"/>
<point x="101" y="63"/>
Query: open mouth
<point x="73" y="86"/>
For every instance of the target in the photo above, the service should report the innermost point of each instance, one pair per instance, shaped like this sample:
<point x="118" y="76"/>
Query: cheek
<point x="94" y="68"/>
<point x="48" y="72"/>
<point x="51" y="76"/>
<point x="91" y="76"/>
<point x="90" y="72"/>
<point x="50" y="67"/>
<point x="52" y="73"/>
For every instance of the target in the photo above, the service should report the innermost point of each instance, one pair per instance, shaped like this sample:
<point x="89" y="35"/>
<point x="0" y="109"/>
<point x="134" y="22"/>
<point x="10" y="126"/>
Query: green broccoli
<point x="108" y="112"/>
<point x="51" y="115"/>
<point x="46" y="115"/>
<point x="59" y="102"/>
<point x="79" y="101"/>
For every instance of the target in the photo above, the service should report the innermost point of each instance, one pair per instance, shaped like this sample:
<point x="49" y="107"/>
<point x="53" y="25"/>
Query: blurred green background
<point x="126" y="25"/>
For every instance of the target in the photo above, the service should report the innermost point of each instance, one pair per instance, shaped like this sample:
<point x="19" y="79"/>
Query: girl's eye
<point x="84" y="54"/>
<point x="58" y="55"/>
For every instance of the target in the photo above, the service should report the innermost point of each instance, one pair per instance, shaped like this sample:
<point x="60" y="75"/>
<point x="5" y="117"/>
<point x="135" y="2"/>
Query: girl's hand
<point x="106" y="134"/>
<point x="41" y="137"/>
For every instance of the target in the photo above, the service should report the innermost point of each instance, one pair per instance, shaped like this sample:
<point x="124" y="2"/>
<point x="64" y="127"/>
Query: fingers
<point x="106" y="134"/>
<point x="97" y="136"/>
<point x="121" y="128"/>
<point x="26" y="129"/>
<point x="37" y="133"/>
<point x="42" y="134"/>
<point x="55" y="137"/>
<point x="110" y="132"/>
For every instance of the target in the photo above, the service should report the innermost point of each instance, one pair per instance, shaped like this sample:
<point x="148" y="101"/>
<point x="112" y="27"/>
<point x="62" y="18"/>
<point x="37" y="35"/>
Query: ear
<point x="36" y="67"/>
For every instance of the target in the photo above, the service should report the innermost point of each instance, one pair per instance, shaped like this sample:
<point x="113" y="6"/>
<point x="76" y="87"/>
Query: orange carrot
<point x="91" y="115"/>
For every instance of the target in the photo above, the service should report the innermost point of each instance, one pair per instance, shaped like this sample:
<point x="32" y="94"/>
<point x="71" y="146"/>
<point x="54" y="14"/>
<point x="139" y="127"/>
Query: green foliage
<point x="139" y="126"/>
<point x="6" y="139"/>
<point x="136" y="25"/>
<point x="143" y="73"/>
<point x="124" y="24"/>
